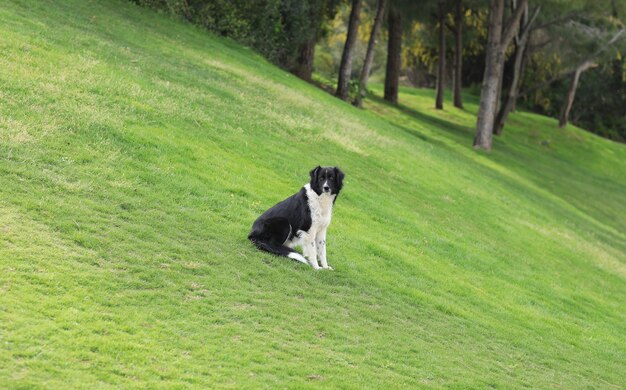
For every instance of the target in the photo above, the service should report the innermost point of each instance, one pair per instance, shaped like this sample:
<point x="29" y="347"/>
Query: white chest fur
<point x="321" y="207"/>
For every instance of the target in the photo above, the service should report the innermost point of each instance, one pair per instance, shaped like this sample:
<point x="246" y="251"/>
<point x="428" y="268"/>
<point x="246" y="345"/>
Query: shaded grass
<point x="135" y="152"/>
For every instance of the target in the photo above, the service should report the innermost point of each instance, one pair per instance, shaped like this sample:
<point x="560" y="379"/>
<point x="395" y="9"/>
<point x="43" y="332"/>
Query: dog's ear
<point x="314" y="172"/>
<point x="340" y="175"/>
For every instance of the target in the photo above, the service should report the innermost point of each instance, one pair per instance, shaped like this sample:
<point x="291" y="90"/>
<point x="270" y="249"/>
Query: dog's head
<point x="327" y="180"/>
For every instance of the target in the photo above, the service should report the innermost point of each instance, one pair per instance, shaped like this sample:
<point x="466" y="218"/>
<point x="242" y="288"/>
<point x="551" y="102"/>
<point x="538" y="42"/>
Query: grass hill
<point x="136" y="151"/>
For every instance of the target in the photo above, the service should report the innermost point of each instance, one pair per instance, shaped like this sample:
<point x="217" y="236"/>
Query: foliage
<point x="421" y="47"/>
<point x="274" y="28"/>
<point x="330" y="48"/>
<point x="600" y="100"/>
<point x="600" y="105"/>
<point x="135" y="152"/>
<point x="541" y="68"/>
<point x="582" y="33"/>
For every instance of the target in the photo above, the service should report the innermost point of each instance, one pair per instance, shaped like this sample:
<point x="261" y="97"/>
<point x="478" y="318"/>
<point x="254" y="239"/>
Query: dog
<point x="301" y="220"/>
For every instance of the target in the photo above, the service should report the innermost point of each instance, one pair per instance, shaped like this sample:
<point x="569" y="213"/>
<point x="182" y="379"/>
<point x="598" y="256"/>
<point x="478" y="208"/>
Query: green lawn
<point x="136" y="151"/>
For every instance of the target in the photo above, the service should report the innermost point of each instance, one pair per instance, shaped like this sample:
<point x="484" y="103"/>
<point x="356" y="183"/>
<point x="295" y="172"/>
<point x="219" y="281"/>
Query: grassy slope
<point x="135" y="152"/>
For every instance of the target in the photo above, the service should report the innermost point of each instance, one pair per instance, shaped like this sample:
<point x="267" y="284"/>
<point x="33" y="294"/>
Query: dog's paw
<point x="329" y="268"/>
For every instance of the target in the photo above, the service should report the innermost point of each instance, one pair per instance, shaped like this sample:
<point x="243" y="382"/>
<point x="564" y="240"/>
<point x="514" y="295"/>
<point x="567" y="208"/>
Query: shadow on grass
<point x="456" y="130"/>
<point x="515" y="156"/>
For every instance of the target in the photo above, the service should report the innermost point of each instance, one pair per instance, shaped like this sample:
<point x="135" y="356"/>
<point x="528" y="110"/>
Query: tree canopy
<point x="569" y="45"/>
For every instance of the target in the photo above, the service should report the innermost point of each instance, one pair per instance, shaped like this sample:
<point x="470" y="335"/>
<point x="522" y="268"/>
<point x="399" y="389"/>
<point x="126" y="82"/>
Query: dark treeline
<point x="283" y="31"/>
<point x="562" y="59"/>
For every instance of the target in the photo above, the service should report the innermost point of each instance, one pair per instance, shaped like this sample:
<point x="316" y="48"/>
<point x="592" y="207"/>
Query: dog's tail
<point x="279" y="250"/>
<point x="270" y="238"/>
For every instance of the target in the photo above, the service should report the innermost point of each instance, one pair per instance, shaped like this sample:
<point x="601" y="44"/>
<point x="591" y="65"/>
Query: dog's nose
<point x="326" y="188"/>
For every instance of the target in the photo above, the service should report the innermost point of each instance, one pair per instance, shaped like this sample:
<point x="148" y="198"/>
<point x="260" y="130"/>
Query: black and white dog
<point x="301" y="220"/>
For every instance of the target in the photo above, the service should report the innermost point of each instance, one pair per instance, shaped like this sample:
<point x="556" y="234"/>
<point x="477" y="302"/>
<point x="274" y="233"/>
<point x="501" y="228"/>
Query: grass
<point x="135" y="152"/>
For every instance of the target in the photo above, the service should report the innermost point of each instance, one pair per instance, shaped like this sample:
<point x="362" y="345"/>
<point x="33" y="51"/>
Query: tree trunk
<point x="441" y="67"/>
<point x="498" y="40"/>
<point x="571" y="93"/>
<point x="345" y="69"/>
<point x="304" y="63"/>
<point x="489" y="93"/>
<point x="458" y="53"/>
<point x="518" y="66"/>
<point x="369" y="56"/>
<point x="523" y="67"/>
<point x="394" y="56"/>
<point x="509" y="104"/>
<point x="500" y="84"/>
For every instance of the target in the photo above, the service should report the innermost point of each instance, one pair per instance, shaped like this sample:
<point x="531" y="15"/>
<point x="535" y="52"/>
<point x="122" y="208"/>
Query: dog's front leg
<point x="310" y="250"/>
<point x="321" y="248"/>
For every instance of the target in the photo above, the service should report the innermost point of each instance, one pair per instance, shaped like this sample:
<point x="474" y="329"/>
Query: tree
<point x="570" y="38"/>
<point x="303" y="65"/>
<point x="458" y="53"/>
<point x="601" y="98"/>
<point x="369" y="56"/>
<point x="500" y="35"/>
<point x="394" y="55"/>
<point x="520" y="51"/>
<point x="441" y="61"/>
<point x="401" y="13"/>
<point x="465" y="19"/>
<point x="585" y="65"/>
<point x="345" y="69"/>
<point x="305" y="21"/>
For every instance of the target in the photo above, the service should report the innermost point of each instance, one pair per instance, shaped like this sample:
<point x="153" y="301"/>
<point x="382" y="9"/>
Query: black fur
<point x="280" y="223"/>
